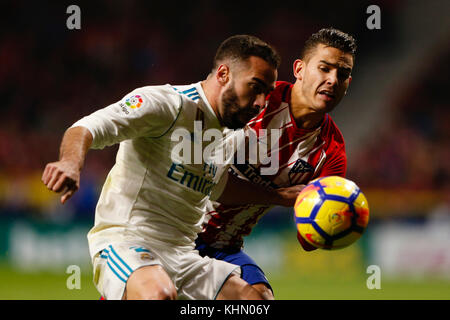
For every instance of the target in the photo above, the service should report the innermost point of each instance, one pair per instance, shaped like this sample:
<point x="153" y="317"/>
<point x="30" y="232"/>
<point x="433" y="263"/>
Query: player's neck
<point x="304" y="115"/>
<point x="211" y="93"/>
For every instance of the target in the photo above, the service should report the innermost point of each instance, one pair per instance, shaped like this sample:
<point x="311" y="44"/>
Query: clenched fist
<point x="62" y="177"/>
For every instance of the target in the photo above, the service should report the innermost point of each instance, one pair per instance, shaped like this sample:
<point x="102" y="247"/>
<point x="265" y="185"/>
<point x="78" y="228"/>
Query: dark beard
<point x="234" y="116"/>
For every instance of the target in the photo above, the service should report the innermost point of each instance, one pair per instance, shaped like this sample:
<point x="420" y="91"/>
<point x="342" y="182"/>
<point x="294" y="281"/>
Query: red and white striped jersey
<point x="303" y="155"/>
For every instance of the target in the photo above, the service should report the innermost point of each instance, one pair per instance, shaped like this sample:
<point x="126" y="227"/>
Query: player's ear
<point x="298" y="67"/>
<point x="349" y="81"/>
<point x="223" y="74"/>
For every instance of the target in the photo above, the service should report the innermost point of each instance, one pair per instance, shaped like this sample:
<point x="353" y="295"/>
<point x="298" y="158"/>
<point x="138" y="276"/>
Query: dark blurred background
<point x="395" y="118"/>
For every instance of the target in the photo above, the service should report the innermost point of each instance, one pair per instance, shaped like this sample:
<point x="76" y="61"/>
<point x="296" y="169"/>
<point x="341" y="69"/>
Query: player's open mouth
<point x="326" y="95"/>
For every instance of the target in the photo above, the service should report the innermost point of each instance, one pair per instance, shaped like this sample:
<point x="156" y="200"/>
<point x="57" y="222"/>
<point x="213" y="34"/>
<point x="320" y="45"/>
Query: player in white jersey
<point x="310" y="146"/>
<point x="153" y="200"/>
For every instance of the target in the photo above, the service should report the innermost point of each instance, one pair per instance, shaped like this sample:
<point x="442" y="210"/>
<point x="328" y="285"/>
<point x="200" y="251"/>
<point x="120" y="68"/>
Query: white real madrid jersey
<point x="152" y="193"/>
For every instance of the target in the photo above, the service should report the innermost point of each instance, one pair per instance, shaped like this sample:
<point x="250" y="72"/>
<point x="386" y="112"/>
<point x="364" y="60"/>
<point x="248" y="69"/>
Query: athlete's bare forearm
<point x="238" y="192"/>
<point x="75" y="145"/>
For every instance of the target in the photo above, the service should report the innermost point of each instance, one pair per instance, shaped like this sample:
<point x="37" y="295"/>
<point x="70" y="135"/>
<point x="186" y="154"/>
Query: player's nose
<point x="260" y="100"/>
<point x="332" y="79"/>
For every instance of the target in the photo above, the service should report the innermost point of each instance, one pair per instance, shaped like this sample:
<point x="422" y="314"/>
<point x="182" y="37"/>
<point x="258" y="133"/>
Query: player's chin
<point x="327" y="103"/>
<point x="324" y="106"/>
<point x="241" y="120"/>
<point x="249" y="115"/>
<point x="235" y="123"/>
<point x="239" y="124"/>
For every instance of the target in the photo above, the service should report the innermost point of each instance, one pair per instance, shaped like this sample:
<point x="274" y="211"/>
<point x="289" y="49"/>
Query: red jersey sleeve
<point x="336" y="165"/>
<point x="336" y="162"/>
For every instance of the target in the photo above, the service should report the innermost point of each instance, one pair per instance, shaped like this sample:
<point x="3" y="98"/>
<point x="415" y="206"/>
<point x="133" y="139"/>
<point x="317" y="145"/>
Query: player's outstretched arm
<point x="238" y="191"/>
<point x="63" y="176"/>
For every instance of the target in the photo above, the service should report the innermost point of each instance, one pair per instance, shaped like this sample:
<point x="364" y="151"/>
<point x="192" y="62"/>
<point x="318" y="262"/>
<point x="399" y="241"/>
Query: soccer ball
<point x="331" y="213"/>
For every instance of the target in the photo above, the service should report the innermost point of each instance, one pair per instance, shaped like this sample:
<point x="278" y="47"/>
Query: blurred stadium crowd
<point x="412" y="149"/>
<point x="51" y="76"/>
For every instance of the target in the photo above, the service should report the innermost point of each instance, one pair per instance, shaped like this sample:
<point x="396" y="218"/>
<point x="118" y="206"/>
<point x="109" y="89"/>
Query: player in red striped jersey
<point x="310" y="146"/>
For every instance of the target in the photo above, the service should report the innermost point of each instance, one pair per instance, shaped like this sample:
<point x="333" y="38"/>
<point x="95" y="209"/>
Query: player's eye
<point x="343" y="75"/>
<point x="256" y="88"/>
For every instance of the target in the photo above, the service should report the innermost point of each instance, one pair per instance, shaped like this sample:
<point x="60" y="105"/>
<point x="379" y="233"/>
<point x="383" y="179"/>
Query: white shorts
<point x="194" y="277"/>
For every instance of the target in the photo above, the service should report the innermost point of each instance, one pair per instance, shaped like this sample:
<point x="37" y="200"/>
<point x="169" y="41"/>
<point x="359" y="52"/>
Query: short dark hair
<point x="242" y="47"/>
<point x="330" y="37"/>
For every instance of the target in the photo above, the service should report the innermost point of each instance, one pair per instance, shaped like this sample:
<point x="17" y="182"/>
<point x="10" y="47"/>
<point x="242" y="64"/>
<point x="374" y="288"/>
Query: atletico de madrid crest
<point x="298" y="169"/>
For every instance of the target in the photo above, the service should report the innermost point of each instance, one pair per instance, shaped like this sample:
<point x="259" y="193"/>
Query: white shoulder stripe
<point x="283" y="106"/>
